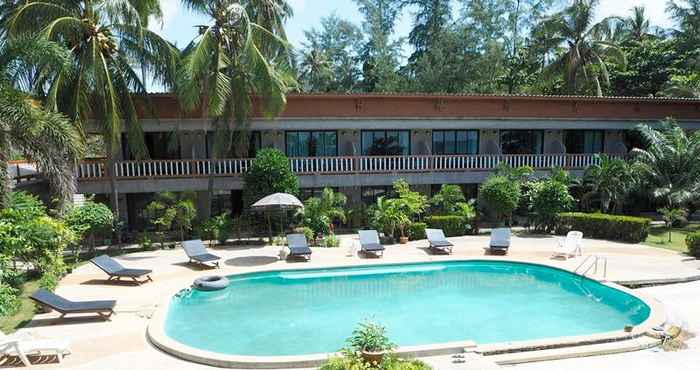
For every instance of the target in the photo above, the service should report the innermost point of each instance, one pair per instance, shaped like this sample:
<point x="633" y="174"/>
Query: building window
<point x="370" y="194"/>
<point x="306" y="193"/>
<point x="522" y="141"/>
<point x="235" y="151"/>
<point x="584" y="141"/>
<point x="455" y="141"/>
<point x="386" y="142"/>
<point x="312" y="143"/>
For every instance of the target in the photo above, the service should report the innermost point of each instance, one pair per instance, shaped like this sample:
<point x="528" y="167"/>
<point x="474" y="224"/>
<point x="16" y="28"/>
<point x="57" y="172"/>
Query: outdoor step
<point x="636" y="344"/>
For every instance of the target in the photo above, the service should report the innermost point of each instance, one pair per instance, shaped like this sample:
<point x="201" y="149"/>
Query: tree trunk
<point x="114" y="194"/>
<point x="4" y="181"/>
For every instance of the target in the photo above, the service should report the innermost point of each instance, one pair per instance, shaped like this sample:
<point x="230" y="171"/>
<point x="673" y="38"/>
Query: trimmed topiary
<point x="604" y="226"/>
<point x="693" y="243"/>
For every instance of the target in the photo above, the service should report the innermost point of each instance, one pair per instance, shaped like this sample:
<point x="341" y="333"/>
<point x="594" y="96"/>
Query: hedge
<point x="604" y="226"/>
<point x="450" y="225"/>
<point x="693" y="243"/>
<point x="417" y="231"/>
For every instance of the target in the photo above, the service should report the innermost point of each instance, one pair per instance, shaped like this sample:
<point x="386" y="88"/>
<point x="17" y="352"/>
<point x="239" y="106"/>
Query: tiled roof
<point x="357" y="95"/>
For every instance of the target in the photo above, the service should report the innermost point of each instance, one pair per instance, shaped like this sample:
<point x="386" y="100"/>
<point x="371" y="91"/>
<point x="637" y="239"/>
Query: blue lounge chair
<point x="298" y="247"/>
<point x="438" y="242"/>
<point x="116" y="271"/>
<point x="369" y="243"/>
<point x="500" y="240"/>
<point x="104" y="309"/>
<point x="196" y="252"/>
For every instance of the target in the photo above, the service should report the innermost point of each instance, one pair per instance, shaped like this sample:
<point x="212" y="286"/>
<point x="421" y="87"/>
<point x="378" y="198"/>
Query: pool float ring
<point x="209" y="283"/>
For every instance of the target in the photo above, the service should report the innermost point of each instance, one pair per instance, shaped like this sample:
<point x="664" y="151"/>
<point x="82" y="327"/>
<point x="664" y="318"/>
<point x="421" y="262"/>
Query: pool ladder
<point x="585" y="267"/>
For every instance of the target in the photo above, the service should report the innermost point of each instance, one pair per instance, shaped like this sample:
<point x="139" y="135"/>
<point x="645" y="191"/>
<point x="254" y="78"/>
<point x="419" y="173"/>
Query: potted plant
<point x="371" y="341"/>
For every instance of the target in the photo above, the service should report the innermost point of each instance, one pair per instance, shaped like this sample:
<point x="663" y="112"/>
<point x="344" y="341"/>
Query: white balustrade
<point x="336" y="165"/>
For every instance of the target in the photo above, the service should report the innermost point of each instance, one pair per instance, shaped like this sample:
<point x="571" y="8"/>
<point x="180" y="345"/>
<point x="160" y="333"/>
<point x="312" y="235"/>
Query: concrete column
<point x="615" y="142"/>
<point x="202" y="200"/>
<point x="273" y="139"/>
<point x="193" y="145"/>
<point x="349" y="143"/>
<point x="554" y="142"/>
<point x="421" y="142"/>
<point x="489" y="142"/>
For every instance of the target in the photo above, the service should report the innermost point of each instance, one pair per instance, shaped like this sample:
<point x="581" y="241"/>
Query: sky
<point x="178" y="23"/>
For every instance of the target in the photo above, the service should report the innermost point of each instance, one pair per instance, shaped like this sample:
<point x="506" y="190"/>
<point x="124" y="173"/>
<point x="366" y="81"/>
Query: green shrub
<point x="450" y="225"/>
<point x="308" y="233"/>
<point x="320" y="212"/>
<point x="9" y="302"/>
<point x="218" y="228"/>
<point x="269" y="173"/>
<point x="352" y="361"/>
<point x="547" y="199"/>
<point x="331" y="241"/>
<point x="604" y="226"/>
<point x="417" y="231"/>
<point x="446" y="200"/>
<point x="693" y="243"/>
<point x="90" y="220"/>
<point x="501" y="195"/>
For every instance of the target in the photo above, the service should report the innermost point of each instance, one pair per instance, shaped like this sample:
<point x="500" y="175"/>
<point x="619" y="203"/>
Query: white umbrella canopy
<point x="278" y="201"/>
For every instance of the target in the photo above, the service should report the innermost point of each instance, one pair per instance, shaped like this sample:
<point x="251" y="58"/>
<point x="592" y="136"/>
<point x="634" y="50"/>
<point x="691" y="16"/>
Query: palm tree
<point x="316" y="71"/>
<point x="669" y="167"/>
<point x="637" y="26"/>
<point x="320" y="212"/>
<point x="586" y="46"/>
<point x="106" y="38"/>
<point x="609" y="180"/>
<point x="232" y="60"/>
<point x="46" y="138"/>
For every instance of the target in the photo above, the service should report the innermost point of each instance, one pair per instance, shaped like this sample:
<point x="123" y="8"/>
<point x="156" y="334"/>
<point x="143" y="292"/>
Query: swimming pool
<point x="282" y="313"/>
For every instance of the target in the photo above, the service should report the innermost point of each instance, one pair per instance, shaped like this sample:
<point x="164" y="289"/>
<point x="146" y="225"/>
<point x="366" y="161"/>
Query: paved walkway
<point x="121" y="343"/>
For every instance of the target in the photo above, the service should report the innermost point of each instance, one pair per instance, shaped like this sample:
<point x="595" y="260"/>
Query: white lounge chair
<point x="500" y="240"/>
<point x="569" y="247"/>
<point x="23" y="344"/>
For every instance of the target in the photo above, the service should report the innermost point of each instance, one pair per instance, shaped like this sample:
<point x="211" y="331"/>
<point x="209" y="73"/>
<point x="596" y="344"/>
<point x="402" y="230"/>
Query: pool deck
<point x="122" y="342"/>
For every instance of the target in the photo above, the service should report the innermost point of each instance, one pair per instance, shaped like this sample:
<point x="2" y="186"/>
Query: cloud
<point x="655" y="10"/>
<point x="170" y="9"/>
<point x="297" y="5"/>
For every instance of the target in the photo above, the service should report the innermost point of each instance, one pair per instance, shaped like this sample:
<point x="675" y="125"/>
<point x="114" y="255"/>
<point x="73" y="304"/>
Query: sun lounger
<point x="196" y="252"/>
<point x="369" y="243"/>
<point x="569" y="247"/>
<point x="105" y="309"/>
<point x="500" y="240"/>
<point x="298" y="247"/>
<point x="116" y="271"/>
<point x="438" y="242"/>
<point x="23" y="344"/>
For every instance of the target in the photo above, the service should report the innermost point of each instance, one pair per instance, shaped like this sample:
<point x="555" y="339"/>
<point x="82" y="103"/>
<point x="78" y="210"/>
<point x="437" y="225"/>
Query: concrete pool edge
<point x="657" y="317"/>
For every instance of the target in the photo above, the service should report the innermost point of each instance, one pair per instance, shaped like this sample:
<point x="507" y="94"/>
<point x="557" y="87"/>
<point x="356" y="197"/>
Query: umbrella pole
<point x="269" y="228"/>
<point x="282" y="217"/>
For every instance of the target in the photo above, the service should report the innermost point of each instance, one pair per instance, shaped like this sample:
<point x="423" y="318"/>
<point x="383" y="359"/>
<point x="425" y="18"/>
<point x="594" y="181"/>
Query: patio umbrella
<point x="277" y="202"/>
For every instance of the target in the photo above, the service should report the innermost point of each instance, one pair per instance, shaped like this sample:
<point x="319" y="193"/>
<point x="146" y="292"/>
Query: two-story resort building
<point x="360" y="143"/>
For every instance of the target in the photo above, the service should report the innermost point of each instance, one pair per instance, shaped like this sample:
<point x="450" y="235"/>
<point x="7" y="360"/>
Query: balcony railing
<point x="333" y="165"/>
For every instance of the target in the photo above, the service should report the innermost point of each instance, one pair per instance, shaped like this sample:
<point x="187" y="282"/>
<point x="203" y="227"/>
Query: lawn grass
<point x="658" y="237"/>
<point x="26" y="311"/>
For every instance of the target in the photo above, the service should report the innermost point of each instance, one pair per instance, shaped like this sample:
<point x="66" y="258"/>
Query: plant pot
<point x="373" y="357"/>
<point x="403" y="240"/>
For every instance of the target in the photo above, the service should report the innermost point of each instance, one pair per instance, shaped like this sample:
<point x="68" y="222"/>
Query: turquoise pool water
<point x="314" y="311"/>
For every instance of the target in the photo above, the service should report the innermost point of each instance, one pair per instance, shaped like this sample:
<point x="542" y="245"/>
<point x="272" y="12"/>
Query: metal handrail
<point x="596" y="259"/>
